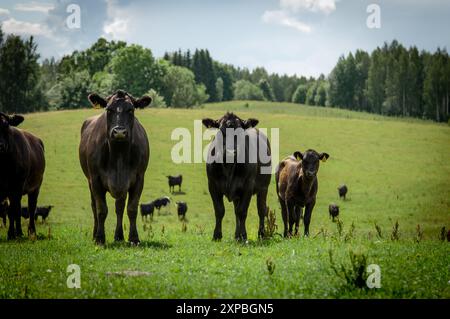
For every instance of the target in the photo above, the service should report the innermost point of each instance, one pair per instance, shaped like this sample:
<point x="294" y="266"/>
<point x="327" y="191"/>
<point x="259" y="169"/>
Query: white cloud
<point x="286" y="16"/>
<point x="283" y="18"/>
<point x="34" y="6"/>
<point x="324" y="6"/>
<point x="117" y="25"/>
<point x="22" y="27"/>
<point x="116" y="29"/>
<point x="4" y="12"/>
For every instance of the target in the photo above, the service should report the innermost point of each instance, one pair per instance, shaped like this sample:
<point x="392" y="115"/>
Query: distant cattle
<point x="147" y="209"/>
<point x="42" y="211"/>
<point x="22" y="165"/>
<point x="333" y="209"/>
<point x="181" y="210"/>
<point x="296" y="185"/>
<point x="161" y="202"/>
<point x="448" y="235"/>
<point x="342" y="191"/>
<point x="4" y="211"/>
<point x="238" y="170"/>
<point x="114" y="155"/>
<point x="174" y="181"/>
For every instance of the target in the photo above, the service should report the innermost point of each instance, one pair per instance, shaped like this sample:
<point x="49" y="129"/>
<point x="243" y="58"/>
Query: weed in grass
<point x="395" y="235"/>
<point x="270" y="266"/>
<point x="340" y="227"/>
<point x="442" y="234"/>
<point x="350" y="233"/>
<point x="379" y="233"/>
<point x="354" y="274"/>
<point x="419" y="234"/>
<point x="270" y="224"/>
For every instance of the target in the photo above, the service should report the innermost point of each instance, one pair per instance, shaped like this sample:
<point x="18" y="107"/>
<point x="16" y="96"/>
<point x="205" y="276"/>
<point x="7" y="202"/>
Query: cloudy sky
<point x="304" y="37"/>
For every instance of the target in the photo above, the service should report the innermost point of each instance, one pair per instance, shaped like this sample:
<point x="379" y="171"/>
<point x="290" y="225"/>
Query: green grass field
<point x="396" y="170"/>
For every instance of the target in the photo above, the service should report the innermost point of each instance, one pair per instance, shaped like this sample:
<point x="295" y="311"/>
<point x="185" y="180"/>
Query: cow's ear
<point x="298" y="155"/>
<point x="250" y="123"/>
<point x="142" y="102"/>
<point x="210" y="123"/>
<point x="97" y="101"/>
<point x="323" y="157"/>
<point x="15" y="120"/>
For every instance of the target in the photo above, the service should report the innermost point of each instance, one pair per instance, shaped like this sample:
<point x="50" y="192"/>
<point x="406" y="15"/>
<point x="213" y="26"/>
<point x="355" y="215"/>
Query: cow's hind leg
<point x="285" y="216"/>
<point x="120" y="207"/>
<point x="290" y="208"/>
<point x="298" y="214"/>
<point x="261" y="198"/>
<point x="32" y="203"/>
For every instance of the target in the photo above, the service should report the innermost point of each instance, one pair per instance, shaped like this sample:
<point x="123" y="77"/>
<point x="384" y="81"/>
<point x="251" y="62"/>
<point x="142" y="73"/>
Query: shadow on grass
<point x="153" y="244"/>
<point x="25" y="238"/>
<point x="178" y="193"/>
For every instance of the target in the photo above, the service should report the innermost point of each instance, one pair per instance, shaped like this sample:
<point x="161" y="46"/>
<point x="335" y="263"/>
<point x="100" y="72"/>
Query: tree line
<point x="392" y="80"/>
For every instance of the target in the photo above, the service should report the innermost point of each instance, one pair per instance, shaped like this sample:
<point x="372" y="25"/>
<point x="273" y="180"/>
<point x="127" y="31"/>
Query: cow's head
<point x="6" y="121"/>
<point x="230" y="123"/>
<point x="310" y="162"/>
<point x="119" y="113"/>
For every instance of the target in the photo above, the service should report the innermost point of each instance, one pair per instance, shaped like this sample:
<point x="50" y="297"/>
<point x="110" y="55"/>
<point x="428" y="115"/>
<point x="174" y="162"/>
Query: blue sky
<point x="304" y="37"/>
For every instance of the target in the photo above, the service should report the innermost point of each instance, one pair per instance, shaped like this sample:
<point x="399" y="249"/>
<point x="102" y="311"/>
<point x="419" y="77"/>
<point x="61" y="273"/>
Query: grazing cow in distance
<point x="161" y="202"/>
<point x="43" y="211"/>
<point x="333" y="209"/>
<point x="238" y="167"/>
<point x="342" y="191"/>
<point x="174" y="181"/>
<point x="4" y="211"/>
<point x="448" y="235"/>
<point x="114" y="155"/>
<point x="181" y="210"/>
<point x="22" y="165"/>
<point x="296" y="185"/>
<point x="147" y="209"/>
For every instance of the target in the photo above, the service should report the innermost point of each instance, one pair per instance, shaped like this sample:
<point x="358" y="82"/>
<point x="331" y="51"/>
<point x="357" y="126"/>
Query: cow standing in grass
<point x="237" y="170"/>
<point x="22" y="164"/>
<point x="296" y="184"/>
<point x="114" y="154"/>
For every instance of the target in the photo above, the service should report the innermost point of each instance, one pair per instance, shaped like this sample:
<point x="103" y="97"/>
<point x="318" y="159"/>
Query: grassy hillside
<point x="396" y="170"/>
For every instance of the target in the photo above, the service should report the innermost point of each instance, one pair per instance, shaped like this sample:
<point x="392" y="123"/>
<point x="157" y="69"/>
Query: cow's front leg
<point x="101" y="208"/>
<point x="298" y="214"/>
<point x="290" y="208"/>
<point x="120" y="207"/>
<point x="240" y="209"/>
<point x="307" y="219"/>
<point x="132" y="209"/>
<point x="219" y="211"/>
<point x="14" y="216"/>
<point x="262" y="211"/>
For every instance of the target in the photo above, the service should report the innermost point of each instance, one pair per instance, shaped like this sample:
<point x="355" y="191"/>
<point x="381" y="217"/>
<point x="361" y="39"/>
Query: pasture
<point x="396" y="170"/>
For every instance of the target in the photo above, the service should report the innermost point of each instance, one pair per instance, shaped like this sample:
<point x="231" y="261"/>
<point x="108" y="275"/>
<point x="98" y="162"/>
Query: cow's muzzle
<point x="119" y="133"/>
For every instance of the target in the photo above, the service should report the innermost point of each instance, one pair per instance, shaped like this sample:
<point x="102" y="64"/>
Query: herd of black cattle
<point x="114" y="155"/>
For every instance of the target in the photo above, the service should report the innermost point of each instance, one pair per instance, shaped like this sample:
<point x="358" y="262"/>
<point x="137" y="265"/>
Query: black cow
<point x="181" y="210"/>
<point x="342" y="191"/>
<point x="43" y="211"/>
<point x="24" y="213"/>
<point x="296" y="184"/>
<point x="4" y="211"/>
<point x="333" y="209"/>
<point x="174" y="181"/>
<point x="238" y="167"/>
<point x="161" y="202"/>
<point x="22" y="165"/>
<point x="147" y="209"/>
<point x="114" y="155"/>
